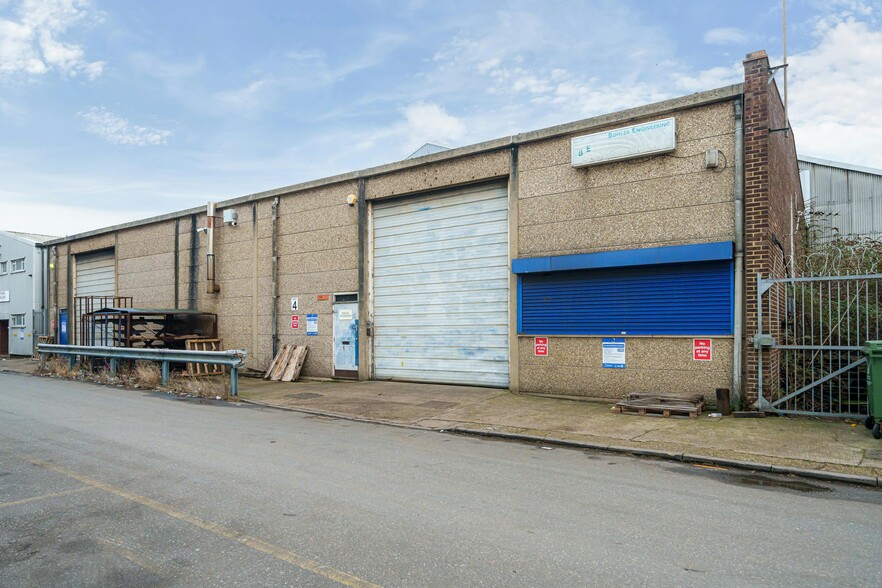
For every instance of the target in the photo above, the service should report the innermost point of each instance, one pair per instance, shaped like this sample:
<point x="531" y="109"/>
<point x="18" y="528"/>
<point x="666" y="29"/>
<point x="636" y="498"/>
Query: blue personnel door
<point x="346" y="336"/>
<point x="62" y="328"/>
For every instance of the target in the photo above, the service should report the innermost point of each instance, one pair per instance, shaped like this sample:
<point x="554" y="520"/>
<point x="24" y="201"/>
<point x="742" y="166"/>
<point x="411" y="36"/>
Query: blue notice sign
<point x="613" y="352"/>
<point x="312" y="324"/>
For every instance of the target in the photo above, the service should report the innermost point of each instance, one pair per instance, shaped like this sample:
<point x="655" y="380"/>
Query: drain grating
<point x="439" y="404"/>
<point x="303" y="396"/>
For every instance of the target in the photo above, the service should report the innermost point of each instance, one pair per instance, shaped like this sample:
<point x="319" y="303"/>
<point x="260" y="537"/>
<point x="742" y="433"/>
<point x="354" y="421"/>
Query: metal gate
<point x="810" y="341"/>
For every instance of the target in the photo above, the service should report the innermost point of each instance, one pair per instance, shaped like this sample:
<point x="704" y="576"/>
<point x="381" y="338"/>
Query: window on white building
<point x="18" y="320"/>
<point x="18" y="265"/>
<point x="4" y="267"/>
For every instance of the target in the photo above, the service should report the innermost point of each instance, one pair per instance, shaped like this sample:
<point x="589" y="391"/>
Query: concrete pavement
<point x="101" y="486"/>
<point x="821" y="444"/>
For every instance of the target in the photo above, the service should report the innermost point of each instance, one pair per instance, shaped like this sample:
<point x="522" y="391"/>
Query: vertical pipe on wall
<point x="738" y="327"/>
<point x="255" y="286"/>
<point x="177" y="262"/>
<point x="513" y="354"/>
<point x="71" y="314"/>
<point x="194" y="264"/>
<point x="363" y="364"/>
<point x="55" y="291"/>
<point x="210" y="213"/>
<point x="275" y="286"/>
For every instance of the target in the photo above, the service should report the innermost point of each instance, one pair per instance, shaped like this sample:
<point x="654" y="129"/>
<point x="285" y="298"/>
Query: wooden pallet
<point x="649" y="404"/>
<point x="204" y="369"/>
<point x="42" y="339"/>
<point x="287" y="364"/>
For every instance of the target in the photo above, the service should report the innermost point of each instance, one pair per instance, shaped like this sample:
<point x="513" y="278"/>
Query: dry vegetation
<point x="143" y="375"/>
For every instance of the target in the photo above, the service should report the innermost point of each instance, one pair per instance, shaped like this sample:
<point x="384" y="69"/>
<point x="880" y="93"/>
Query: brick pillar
<point x="757" y="253"/>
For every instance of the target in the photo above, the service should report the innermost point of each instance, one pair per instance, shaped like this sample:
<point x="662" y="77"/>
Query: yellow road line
<point x="133" y="557"/>
<point x="275" y="551"/>
<point x="46" y="496"/>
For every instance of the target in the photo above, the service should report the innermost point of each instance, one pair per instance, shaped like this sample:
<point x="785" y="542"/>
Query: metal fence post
<point x="164" y="373"/>
<point x="113" y="367"/>
<point x="234" y="381"/>
<point x="73" y="362"/>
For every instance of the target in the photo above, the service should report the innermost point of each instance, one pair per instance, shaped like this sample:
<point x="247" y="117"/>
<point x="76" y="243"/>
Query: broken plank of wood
<point x="274" y="363"/>
<point x="295" y="364"/>
<point x="286" y="352"/>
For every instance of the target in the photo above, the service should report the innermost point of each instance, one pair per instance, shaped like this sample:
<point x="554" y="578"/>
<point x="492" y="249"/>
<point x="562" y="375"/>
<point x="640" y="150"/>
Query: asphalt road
<point x="107" y="487"/>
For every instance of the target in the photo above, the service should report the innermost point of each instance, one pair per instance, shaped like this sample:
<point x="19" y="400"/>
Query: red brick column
<point x="757" y="257"/>
<point x="771" y="188"/>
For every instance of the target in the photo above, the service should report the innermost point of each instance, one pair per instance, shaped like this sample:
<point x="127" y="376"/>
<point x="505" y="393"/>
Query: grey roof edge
<point x="23" y="239"/>
<point x="672" y="105"/>
<point x="839" y="164"/>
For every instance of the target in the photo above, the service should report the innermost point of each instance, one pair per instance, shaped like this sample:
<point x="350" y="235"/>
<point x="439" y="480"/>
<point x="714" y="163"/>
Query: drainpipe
<point x="275" y="286"/>
<point x="213" y="288"/>
<point x="738" y="357"/>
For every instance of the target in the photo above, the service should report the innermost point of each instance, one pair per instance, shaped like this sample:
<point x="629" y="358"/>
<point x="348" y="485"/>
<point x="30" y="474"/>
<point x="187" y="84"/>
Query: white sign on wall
<point x="659" y="136"/>
<point x="4" y="295"/>
<point x="613" y="352"/>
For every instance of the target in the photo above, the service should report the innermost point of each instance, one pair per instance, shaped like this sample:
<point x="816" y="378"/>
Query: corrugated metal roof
<point x="33" y="237"/>
<point x="840" y="164"/>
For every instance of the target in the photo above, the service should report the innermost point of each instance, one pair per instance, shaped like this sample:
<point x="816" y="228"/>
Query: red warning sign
<point x="295" y="321"/>
<point x="702" y="349"/>
<point x="540" y="346"/>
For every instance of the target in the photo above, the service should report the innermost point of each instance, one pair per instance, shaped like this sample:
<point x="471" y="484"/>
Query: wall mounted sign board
<point x="649" y="138"/>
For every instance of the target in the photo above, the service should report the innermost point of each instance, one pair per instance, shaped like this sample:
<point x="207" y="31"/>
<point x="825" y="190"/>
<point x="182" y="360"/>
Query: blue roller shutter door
<point x="668" y="299"/>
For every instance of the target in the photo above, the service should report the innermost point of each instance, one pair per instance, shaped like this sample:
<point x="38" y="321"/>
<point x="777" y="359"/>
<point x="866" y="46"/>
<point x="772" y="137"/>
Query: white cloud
<point x="834" y="93"/>
<point x="32" y="44"/>
<point x="300" y="71"/>
<point x="726" y="36"/>
<point x="119" y="131"/>
<point x="708" y="79"/>
<point x="429" y="122"/>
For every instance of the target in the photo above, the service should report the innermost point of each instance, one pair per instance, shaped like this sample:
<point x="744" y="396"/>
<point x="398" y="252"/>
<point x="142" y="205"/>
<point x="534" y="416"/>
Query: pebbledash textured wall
<point x="555" y="210"/>
<point x="657" y="201"/>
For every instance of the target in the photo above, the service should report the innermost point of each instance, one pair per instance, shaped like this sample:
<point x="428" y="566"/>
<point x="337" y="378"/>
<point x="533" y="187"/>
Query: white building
<point x="22" y="292"/>
<point x="845" y="199"/>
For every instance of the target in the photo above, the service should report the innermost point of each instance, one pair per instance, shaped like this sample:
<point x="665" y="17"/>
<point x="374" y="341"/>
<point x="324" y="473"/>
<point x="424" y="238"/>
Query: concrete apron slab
<point x="779" y="442"/>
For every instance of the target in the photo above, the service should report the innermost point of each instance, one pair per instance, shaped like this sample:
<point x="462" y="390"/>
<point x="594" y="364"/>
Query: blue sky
<point x="112" y="111"/>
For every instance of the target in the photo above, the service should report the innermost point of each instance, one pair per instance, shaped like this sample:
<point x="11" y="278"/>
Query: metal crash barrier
<point x="234" y="359"/>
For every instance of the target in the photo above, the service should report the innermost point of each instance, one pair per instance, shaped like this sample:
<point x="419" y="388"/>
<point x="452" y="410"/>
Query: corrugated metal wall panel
<point x="845" y="201"/>
<point x="677" y="299"/>
<point x="440" y="287"/>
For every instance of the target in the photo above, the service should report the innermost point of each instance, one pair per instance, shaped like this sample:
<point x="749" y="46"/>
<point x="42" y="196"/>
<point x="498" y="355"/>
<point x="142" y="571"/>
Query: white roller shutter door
<point x="440" y="287"/>
<point x="96" y="274"/>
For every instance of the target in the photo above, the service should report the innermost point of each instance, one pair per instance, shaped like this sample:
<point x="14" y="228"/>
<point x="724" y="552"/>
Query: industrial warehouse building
<point x="595" y="258"/>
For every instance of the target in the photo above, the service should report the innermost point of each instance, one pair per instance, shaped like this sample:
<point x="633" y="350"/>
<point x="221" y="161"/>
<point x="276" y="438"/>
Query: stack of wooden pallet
<point x="643" y="403"/>
<point x="287" y="364"/>
<point x="204" y="369"/>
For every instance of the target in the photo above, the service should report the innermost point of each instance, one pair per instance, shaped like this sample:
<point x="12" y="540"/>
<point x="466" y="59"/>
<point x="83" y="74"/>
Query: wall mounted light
<point x="351" y="199"/>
